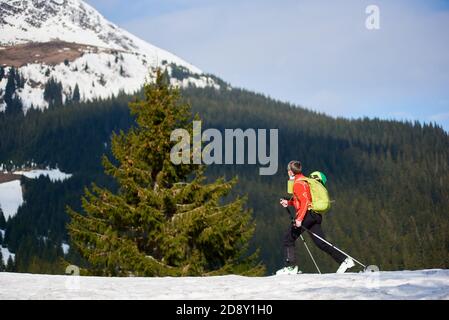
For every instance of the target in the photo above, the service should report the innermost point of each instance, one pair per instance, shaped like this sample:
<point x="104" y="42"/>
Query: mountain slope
<point x="387" y="178"/>
<point x="70" y="42"/>
<point x="75" y="21"/>
<point x="425" y="284"/>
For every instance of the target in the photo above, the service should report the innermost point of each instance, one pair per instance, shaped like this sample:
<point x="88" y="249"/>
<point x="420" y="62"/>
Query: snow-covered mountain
<point x="72" y="43"/>
<point x="423" y="284"/>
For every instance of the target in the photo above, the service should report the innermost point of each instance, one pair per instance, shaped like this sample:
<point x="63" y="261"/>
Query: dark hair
<point x="295" y="166"/>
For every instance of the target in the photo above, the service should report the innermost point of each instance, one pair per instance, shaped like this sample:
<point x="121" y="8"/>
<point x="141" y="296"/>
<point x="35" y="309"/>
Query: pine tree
<point x="15" y="107"/>
<point x="22" y="81"/>
<point x="10" y="86"/>
<point x="2" y="220"/>
<point x="2" y="73"/>
<point x="13" y="102"/>
<point x="164" y="219"/>
<point x="76" y="94"/>
<point x="19" y="79"/>
<point x="10" y="265"/>
<point x="2" y="264"/>
<point x="53" y="92"/>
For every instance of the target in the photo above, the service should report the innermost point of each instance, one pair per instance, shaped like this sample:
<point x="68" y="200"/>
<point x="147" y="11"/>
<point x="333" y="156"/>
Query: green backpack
<point x="321" y="203"/>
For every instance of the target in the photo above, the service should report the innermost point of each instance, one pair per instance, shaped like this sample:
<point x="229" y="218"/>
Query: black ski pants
<point x="312" y="221"/>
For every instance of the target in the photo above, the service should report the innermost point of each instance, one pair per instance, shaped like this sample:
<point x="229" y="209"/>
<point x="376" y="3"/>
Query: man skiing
<point x="308" y="219"/>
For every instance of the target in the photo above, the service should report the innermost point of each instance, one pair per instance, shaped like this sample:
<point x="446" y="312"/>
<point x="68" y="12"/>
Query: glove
<point x="284" y="203"/>
<point x="297" y="223"/>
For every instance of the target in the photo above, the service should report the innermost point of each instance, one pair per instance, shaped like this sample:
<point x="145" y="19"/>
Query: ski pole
<point x="330" y="244"/>
<point x="310" y="253"/>
<point x="305" y="244"/>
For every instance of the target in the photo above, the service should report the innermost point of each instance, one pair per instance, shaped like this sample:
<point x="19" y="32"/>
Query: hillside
<point x="71" y="45"/>
<point x="387" y="178"/>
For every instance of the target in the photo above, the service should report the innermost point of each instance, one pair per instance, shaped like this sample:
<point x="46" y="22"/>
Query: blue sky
<point x="317" y="54"/>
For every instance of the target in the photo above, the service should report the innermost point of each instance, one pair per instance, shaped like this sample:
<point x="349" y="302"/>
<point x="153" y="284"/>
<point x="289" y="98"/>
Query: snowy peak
<point x="27" y="16"/>
<point x="67" y="44"/>
<point x="75" y="21"/>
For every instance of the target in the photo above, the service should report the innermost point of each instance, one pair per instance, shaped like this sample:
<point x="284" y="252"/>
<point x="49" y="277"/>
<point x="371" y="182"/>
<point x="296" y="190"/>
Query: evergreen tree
<point x="102" y="81"/>
<point x="53" y="93"/>
<point x="122" y="71"/>
<point x="15" y="107"/>
<point x="22" y="81"/>
<point x="2" y="220"/>
<point x="19" y="80"/>
<point x="2" y="264"/>
<point x="13" y="103"/>
<point x="10" y="265"/>
<point x="76" y="94"/>
<point x="2" y="73"/>
<point x="164" y="219"/>
<point x="10" y="86"/>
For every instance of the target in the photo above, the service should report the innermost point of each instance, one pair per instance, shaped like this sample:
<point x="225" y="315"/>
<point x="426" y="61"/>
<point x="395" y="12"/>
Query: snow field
<point x="423" y="284"/>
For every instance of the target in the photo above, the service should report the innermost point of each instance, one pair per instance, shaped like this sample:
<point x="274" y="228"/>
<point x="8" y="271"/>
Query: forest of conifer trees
<point x="388" y="178"/>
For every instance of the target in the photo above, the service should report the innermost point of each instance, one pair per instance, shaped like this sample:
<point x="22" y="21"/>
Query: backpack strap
<point x="305" y="180"/>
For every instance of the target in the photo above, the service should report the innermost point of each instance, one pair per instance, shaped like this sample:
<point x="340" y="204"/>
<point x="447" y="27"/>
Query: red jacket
<point x="301" y="199"/>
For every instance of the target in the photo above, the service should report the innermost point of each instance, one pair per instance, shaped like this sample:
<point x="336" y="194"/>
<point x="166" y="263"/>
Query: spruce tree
<point x="53" y="92"/>
<point x="19" y="80"/>
<point x="2" y="264"/>
<point x="10" y="86"/>
<point x="2" y="220"/>
<point x="76" y="94"/>
<point x="14" y="104"/>
<point x="10" y="265"/>
<point x="164" y="220"/>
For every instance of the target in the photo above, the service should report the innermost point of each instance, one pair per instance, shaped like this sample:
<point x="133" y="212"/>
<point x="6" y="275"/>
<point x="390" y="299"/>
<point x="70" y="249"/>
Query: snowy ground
<point x="53" y="174"/>
<point x="11" y="197"/>
<point x="424" y="284"/>
<point x="6" y="254"/>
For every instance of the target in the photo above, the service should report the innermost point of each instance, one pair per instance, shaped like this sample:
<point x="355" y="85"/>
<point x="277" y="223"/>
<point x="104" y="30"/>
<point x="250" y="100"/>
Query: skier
<point x="310" y="220"/>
